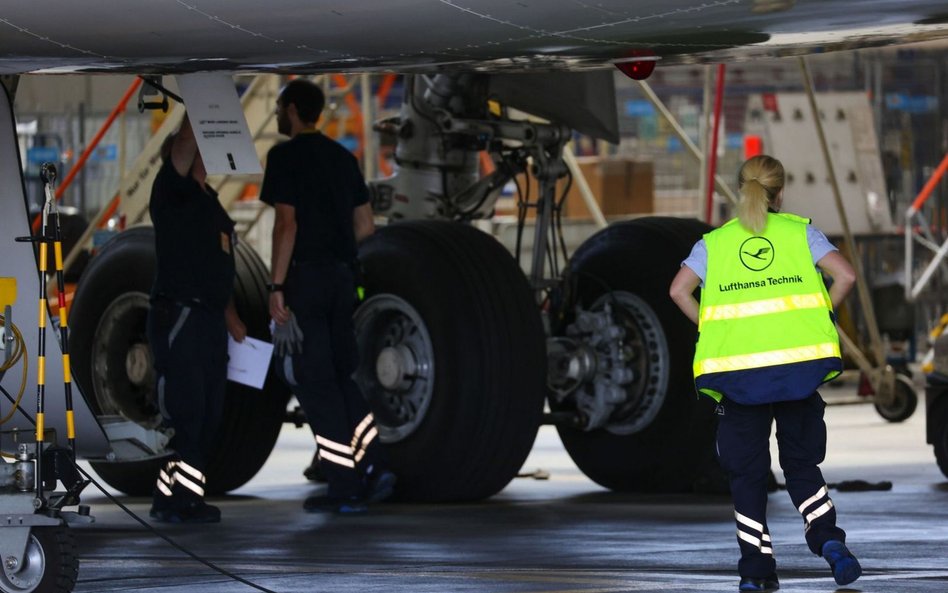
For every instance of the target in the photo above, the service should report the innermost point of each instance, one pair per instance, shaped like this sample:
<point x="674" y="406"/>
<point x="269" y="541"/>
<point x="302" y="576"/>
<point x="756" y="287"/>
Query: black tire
<point x="938" y="423"/>
<point x="481" y="365"/>
<point x="135" y="478"/>
<point x="675" y="451"/>
<point x="50" y="564"/>
<point x="252" y="418"/>
<point x="117" y="281"/>
<point x="124" y="268"/>
<point x="903" y="403"/>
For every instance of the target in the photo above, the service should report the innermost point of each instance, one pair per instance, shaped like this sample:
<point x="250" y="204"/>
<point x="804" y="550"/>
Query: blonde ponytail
<point x="759" y="182"/>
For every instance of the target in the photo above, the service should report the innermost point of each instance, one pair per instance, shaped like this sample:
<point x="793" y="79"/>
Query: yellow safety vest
<point x="765" y="324"/>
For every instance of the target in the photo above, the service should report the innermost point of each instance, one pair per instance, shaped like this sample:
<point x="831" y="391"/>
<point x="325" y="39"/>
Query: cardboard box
<point x="621" y="186"/>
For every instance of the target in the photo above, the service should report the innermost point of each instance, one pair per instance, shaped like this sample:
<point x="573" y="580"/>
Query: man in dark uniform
<point x="322" y="212"/>
<point x="191" y="313"/>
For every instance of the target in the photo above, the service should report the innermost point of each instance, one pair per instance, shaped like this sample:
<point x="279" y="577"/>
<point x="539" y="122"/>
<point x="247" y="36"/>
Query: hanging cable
<point x="154" y="531"/>
<point x="521" y="217"/>
<point x="20" y="409"/>
<point x="559" y="216"/>
<point x="167" y="539"/>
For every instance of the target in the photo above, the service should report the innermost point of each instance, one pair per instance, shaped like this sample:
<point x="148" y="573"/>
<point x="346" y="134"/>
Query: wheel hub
<point x="138" y="365"/>
<point x="394" y="367"/>
<point x="25" y="576"/>
<point x="400" y="385"/>
<point x="624" y="389"/>
<point x="122" y="373"/>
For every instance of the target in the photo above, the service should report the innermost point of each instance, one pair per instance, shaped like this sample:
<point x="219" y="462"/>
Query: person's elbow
<point x="841" y="271"/>
<point x="683" y="285"/>
<point x="364" y="228"/>
<point x="284" y="226"/>
<point x="679" y="293"/>
<point x="846" y="278"/>
<point x="849" y="276"/>
<point x="363" y="222"/>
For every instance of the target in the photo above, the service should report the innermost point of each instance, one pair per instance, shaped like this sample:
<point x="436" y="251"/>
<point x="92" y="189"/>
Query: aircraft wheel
<point x="112" y="363"/>
<point x="938" y="419"/>
<point x="662" y="437"/>
<point x="903" y="403"/>
<point x="452" y="358"/>
<point x="50" y="564"/>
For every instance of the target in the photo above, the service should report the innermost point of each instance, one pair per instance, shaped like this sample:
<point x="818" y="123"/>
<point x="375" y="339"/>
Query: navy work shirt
<point x="321" y="180"/>
<point x="194" y="241"/>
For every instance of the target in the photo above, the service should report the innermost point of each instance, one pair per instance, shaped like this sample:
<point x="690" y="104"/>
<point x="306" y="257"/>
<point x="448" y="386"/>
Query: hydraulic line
<point x="19" y="352"/>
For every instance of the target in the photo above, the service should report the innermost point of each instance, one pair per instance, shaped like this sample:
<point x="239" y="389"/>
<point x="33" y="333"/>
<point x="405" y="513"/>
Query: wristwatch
<point x="271" y="287"/>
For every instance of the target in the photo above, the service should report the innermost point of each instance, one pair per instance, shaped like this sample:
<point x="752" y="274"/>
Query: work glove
<point x="288" y="337"/>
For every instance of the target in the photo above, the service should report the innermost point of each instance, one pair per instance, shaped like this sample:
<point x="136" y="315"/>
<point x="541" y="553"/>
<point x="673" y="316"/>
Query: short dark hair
<point x="307" y="96"/>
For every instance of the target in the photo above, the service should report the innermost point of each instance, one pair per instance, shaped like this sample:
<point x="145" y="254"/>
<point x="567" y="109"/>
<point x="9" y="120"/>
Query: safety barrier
<point x="914" y="212"/>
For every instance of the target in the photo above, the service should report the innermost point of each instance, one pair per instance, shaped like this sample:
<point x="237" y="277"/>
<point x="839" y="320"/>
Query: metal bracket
<point x="132" y="441"/>
<point x="153" y="88"/>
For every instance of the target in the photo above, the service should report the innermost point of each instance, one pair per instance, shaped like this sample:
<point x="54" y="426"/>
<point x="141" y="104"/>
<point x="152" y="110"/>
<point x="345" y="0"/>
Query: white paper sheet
<point x="249" y="361"/>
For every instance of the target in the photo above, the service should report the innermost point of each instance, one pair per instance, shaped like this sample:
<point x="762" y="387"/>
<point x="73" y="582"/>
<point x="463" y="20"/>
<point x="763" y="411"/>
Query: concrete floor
<point x="563" y="535"/>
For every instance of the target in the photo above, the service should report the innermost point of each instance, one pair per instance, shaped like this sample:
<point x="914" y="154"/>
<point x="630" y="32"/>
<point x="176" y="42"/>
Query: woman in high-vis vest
<point x="766" y="340"/>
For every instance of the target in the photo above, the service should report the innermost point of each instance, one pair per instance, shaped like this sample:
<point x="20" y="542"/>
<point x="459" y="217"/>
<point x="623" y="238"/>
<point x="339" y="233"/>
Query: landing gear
<point x="619" y="352"/>
<point x="638" y="424"/>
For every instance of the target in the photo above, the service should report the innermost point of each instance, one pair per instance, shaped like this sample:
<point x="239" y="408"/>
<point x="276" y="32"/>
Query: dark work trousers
<point x="744" y="451"/>
<point x="322" y="296"/>
<point x="189" y="347"/>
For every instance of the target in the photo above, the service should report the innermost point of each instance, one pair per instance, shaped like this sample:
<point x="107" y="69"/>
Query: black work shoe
<point x="759" y="584"/>
<point x="323" y="503"/>
<point x="845" y="567"/>
<point x="379" y="486"/>
<point x="194" y="512"/>
<point x="160" y="504"/>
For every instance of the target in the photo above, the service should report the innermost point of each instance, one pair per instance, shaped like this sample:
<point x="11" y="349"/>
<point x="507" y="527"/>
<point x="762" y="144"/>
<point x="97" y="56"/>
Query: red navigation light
<point x="639" y="65"/>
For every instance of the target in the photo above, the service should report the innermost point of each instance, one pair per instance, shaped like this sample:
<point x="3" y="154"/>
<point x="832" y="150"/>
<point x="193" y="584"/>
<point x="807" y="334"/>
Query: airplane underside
<point x="465" y="349"/>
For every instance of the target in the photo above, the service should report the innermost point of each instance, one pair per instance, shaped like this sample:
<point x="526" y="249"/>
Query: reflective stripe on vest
<point x="764" y="307"/>
<point x="764" y="359"/>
